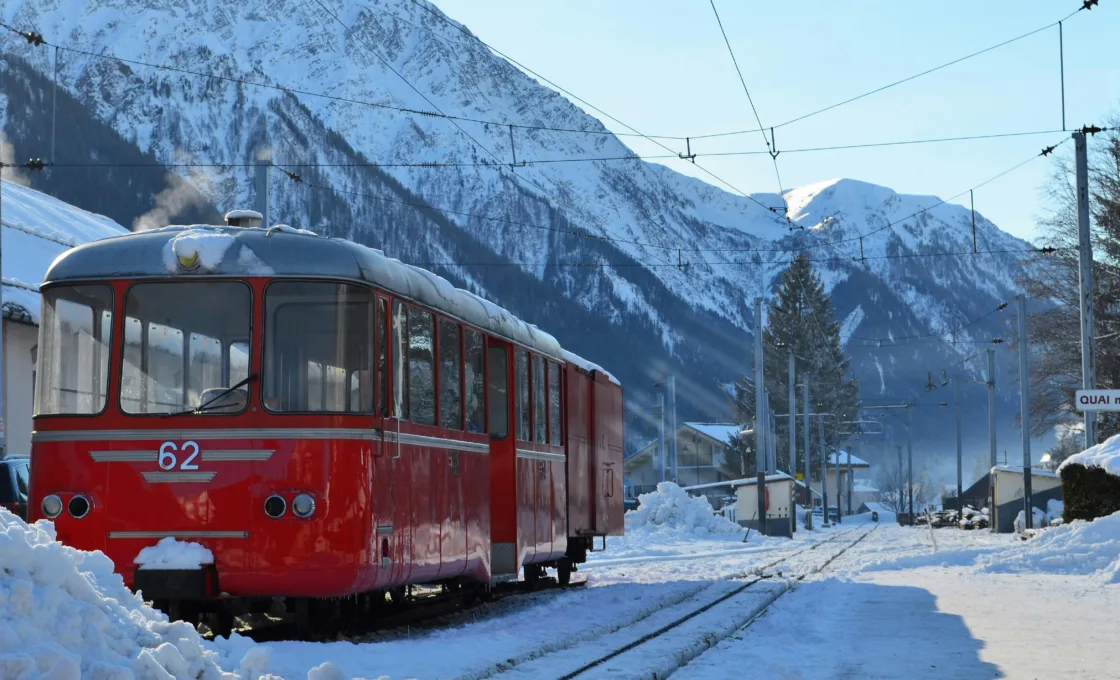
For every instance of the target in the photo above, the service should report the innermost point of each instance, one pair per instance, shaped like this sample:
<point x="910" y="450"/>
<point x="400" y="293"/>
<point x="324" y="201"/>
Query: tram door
<point x="391" y="492"/>
<point x="503" y="456"/>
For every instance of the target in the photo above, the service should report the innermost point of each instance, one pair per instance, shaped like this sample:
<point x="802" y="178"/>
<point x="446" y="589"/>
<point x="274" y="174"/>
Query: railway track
<point x="540" y="662"/>
<point x="687" y="636"/>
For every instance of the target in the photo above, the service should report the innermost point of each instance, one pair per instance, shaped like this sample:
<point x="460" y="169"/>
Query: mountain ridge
<point x="638" y="217"/>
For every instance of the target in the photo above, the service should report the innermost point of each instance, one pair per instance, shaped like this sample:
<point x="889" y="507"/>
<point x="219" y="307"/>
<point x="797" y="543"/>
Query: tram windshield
<point x="185" y="344"/>
<point x="74" y="340"/>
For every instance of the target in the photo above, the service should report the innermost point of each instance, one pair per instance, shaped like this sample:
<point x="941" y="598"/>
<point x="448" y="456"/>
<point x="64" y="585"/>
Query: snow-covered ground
<point x="980" y="606"/>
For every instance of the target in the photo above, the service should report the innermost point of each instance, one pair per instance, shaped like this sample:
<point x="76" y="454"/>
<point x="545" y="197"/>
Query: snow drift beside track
<point x="65" y="615"/>
<point x="671" y="510"/>
<point x="1080" y="547"/>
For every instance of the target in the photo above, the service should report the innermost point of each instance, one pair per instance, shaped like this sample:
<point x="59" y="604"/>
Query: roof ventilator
<point x="249" y="219"/>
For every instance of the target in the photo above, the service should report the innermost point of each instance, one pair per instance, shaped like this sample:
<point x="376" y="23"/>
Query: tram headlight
<point x="78" y="506"/>
<point x="275" y="506"/>
<point x="51" y="506"/>
<point x="188" y="258"/>
<point x="303" y="505"/>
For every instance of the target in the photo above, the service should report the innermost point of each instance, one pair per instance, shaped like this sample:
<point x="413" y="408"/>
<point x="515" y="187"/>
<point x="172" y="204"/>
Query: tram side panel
<point x="607" y="453"/>
<point x="577" y="403"/>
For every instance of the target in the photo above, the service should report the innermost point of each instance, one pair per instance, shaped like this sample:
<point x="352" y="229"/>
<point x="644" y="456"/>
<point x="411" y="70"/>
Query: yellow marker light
<point x="187" y="260"/>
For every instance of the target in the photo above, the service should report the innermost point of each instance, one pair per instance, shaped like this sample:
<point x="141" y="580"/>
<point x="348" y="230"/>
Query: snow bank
<point x="671" y="509"/>
<point x="1077" y="548"/>
<point x="172" y="554"/>
<point x="1105" y="455"/>
<point x="65" y="614"/>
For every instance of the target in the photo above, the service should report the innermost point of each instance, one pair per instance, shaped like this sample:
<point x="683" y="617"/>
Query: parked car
<point x="15" y="474"/>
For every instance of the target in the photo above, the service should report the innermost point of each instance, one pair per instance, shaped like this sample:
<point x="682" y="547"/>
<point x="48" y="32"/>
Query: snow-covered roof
<point x="721" y="432"/>
<point x="1105" y="455"/>
<point x="588" y="366"/>
<point x="1018" y="469"/>
<point x="863" y="486"/>
<point x="746" y="481"/>
<point x="841" y="458"/>
<point x="247" y="251"/>
<point x="36" y="230"/>
<point x="873" y="506"/>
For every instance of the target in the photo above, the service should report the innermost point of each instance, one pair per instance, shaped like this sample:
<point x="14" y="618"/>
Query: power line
<point x="898" y="82"/>
<point x="743" y="82"/>
<point x="1045" y="152"/>
<point x="650" y="138"/>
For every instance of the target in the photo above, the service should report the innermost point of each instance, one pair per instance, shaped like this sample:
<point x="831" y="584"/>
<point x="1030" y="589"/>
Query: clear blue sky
<point x="662" y="67"/>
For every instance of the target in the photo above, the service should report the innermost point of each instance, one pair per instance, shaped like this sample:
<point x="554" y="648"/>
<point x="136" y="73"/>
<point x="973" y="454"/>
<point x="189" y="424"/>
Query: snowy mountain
<point x="586" y="250"/>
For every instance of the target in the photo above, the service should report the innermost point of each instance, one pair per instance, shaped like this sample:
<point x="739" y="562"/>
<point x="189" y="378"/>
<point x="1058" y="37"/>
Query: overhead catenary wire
<point x="655" y="140"/>
<point x="901" y="81"/>
<point x="762" y="129"/>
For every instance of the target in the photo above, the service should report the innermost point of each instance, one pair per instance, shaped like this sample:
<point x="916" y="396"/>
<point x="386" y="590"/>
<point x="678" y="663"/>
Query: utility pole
<point x="805" y="440"/>
<point x="824" y="469"/>
<point x="792" y="414"/>
<point x="910" y="457"/>
<point x="1085" y="271"/>
<point x="957" y="408"/>
<point x="759" y="415"/>
<point x="661" y="429"/>
<point x="991" y="430"/>
<point x="673" y="423"/>
<point x="850" y="482"/>
<point x="3" y="354"/>
<point x="1025" y="408"/>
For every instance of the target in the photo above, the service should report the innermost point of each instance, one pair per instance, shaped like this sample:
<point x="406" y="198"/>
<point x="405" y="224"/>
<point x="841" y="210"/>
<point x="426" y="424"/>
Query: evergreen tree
<point x="800" y="318"/>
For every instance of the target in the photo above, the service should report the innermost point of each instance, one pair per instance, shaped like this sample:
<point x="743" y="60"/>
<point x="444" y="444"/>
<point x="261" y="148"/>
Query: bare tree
<point x="1053" y="280"/>
<point x="892" y="489"/>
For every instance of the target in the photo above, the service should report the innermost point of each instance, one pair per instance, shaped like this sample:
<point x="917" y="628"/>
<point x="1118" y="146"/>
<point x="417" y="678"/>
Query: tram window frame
<point x="398" y="324"/>
<point x="497" y="391"/>
<point x="474" y="390"/>
<point x="381" y="355"/>
<point x="555" y="404"/>
<point x="523" y="395"/>
<point x="415" y="354"/>
<point x="540" y="401"/>
<point x="365" y="355"/>
<point x="42" y="375"/>
<point x="144" y="347"/>
<point x="450" y="392"/>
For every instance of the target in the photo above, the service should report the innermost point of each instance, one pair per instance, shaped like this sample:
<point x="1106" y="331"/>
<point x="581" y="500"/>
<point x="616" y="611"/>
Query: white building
<point x="838" y="481"/>
<point x="36" y="229"/>
<point x="701" y="451"/>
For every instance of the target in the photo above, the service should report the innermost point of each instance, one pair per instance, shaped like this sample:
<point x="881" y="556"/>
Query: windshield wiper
<point x="202" y="408"/>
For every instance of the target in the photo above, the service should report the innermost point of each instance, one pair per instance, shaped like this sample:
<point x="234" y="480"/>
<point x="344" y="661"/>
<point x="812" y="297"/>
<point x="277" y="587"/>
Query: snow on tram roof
<point x="290" y="252"/>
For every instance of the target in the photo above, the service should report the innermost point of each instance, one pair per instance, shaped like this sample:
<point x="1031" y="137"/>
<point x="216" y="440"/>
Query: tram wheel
<point x="220" y="623"/>
<point x="564" y="572"/>
<point x="534" y="573"/>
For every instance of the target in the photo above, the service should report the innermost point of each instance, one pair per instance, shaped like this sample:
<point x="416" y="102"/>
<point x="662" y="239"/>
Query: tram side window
<point x="450" y="390"/>
<point x="540" y="425"/>
<point x="521" y="358"/>
<point x="475" y="376"/>
<point x="382" y="359"/>
<point x="74" y="339"/>
<point x="421" y="368"/>
<point x="499" y="392"/>
<point x="555" y="433"/>
<point x="316" y="342"/>
<point x="400" y="360"/>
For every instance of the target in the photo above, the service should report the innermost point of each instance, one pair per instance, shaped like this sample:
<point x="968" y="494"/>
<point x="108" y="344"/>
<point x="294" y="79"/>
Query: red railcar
<point x="329" y="422"/>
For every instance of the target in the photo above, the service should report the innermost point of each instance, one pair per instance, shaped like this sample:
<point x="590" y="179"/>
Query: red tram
<point x="330" y="423"/>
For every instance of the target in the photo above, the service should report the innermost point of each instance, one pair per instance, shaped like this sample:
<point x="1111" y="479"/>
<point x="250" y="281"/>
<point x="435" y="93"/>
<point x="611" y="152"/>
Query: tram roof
<point x="283" y="251"/>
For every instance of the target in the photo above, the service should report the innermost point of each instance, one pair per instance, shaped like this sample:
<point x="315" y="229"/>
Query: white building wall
<point x="19" y="341"/>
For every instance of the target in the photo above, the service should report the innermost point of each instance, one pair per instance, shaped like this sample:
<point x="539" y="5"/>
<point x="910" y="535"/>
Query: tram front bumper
<point x="177" y="584"/>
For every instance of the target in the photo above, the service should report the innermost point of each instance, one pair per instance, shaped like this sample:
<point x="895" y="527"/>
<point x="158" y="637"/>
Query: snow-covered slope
<point x="643" y="217"/>
<point x="36" y="230"/>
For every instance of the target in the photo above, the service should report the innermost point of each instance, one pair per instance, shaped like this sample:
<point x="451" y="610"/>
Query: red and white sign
<point x="1097" y="400"/>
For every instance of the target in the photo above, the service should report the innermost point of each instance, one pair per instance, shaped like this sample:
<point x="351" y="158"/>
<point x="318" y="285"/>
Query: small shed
<point x="1046" y="485"/>
<point x="780" y="517"/>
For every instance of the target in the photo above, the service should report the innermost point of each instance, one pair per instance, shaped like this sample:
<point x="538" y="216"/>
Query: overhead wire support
<point x="651" y="138"/>
<point x="1088" y="4"/>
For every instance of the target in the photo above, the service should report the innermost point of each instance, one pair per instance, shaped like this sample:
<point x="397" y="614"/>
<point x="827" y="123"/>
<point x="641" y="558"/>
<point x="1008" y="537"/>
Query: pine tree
<point x="800" y="319"/>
